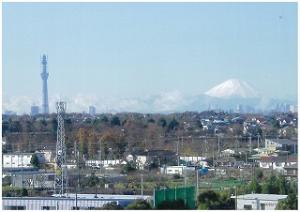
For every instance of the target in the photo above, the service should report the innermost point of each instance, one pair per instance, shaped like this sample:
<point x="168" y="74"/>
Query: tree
<point x="211" y="200"/>
<point x="104" y="119"/>
<point x="54" y="125"/>
<point x="92" y="145"/>
<point x="34" y="161"/>
<point x="115" y="121"/>
<point x="173" y="124"/>
<point x="93" y="180"/>
<point x="162" y="122"/>
<point x="139" y="205"/>
<point x="271" y="186"/>
<point x="151" y="120"/>
<point x="112" y="206"/>
<point x="259" y="174"/>
<point x="282" y="185"/>
<point x="130" y="166"/>
<point x="199" y="124"/>
<point x="82" y="140"/>
<point x="254" y="186"/>
<point x="291" y="203"/>
<point x="172" y="205"/>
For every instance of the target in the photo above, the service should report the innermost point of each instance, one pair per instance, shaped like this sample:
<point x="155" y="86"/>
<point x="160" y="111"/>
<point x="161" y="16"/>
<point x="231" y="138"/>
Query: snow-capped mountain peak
<point x="233" y="88"/>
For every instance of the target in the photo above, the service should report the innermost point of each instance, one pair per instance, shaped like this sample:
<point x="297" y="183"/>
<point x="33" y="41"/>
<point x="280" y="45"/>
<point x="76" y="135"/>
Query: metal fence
<point x="187" y="194"/>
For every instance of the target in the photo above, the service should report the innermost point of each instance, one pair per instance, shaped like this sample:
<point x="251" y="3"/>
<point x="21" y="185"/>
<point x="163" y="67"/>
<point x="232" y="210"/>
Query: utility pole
<point x="76" y="187"/>
<point x="177" y="152"/>
<point x="236" y="144"/>
<point x="197" y="184"/>
<point x="206" y="150"/>
<point x="235" y="198"/>
<point x="185" y="180"/>
<point x="258" y="141"/>
<point x="218" y="145"/>
<point x="100" y="155"/>
<point x="250" y="144"/>
<point x="142" y="185"/>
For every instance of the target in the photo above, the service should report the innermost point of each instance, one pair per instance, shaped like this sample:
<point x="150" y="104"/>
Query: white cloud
<point x="169" y="101"/>
<point x="164" y="102"/>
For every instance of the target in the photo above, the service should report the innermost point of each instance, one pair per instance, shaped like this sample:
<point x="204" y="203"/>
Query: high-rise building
<point x="34" y="110"/>
<point x="92" y="110"/>
<point x="44" y="75"/>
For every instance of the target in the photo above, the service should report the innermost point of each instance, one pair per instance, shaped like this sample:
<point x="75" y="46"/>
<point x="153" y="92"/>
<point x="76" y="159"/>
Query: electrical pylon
<point x="60" y="149"/>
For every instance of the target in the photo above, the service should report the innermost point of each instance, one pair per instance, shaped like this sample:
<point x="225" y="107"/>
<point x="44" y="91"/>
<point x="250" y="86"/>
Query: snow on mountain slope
<point x="233" y="88"/>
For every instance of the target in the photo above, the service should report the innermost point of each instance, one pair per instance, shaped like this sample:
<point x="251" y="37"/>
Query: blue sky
<point x="132" y="50"/>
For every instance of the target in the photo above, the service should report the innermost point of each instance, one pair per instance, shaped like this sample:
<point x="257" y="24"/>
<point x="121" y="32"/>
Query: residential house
<point x="179" y="170"/>
<point x="291" y="170"/>
<point x="16" y="160"/>
<point x="277" y="163"/>
<point x="158" y="157"/>
<point x="282" y="144"/>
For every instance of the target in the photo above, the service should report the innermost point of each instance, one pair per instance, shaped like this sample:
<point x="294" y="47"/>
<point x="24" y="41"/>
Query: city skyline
<point x="129" y="51"/>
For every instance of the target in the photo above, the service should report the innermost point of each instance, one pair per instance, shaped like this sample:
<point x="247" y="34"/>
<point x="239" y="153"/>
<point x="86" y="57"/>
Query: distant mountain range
<point x="233" y="94"/>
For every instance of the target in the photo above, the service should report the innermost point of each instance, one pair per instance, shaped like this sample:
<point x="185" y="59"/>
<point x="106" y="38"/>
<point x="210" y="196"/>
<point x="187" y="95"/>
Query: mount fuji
<point x="233" y="88"/>
<point x="227" y="96"/>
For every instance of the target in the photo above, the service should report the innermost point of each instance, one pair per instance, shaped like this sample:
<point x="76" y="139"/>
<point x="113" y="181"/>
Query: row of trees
<point x="112" y="143"/>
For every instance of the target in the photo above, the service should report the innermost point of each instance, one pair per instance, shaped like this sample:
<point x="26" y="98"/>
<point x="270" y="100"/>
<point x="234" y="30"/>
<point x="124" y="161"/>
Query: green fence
<point x="187" y="194"/>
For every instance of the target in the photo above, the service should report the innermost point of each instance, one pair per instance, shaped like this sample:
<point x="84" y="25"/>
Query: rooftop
<point x="283" y="141"/>
<point x="269" y="197"/>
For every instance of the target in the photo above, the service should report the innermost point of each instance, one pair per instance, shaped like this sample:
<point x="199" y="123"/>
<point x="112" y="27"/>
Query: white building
<point x="282" y="144"/>
<point x="84" y="202"/>
<point x="227" y="152"/>
<point x="44" y="156"/>
<point x="277" y="163"/>
<point x="16" y="160"/>
<point x="258" y="201"/>
<point x="180" y="170"/>
<point x="104" y="163"/>
<point x="193" y="159"/>
<point x="141" y="161"/>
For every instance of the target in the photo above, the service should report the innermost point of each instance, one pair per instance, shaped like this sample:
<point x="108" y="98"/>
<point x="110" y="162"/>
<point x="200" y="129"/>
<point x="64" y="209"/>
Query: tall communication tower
<point x="60" y="149"/>
<point x="44" y="75"/>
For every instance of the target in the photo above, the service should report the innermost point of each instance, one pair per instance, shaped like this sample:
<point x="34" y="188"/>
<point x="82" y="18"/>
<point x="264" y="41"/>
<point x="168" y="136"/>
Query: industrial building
<point x="68" y="202"/>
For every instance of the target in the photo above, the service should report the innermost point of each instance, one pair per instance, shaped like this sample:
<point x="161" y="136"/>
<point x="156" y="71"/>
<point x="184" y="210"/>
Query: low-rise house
<point x="44" y="156"/>
<point x="192" y="159"/>
<point x="226" y="162"/>
<point x="160" y="157"/>
<point x="281" y="144"/>
<point x="258" y="201"/>
<point x="33" y="179"/>
<point x="103" y="163"/>
<point x="227" y="152"/>
<point x="179" y="170"/>
<point x="277" y="163"/>
<point x="291" y="170"/>
<point x="16" y="160"/>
